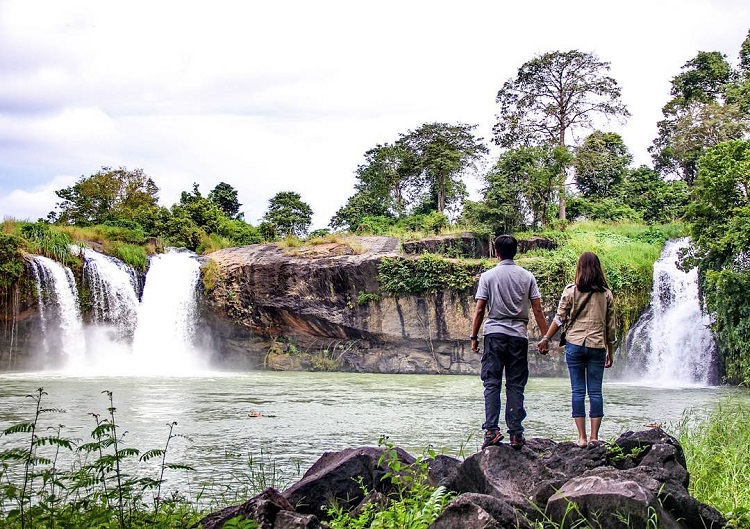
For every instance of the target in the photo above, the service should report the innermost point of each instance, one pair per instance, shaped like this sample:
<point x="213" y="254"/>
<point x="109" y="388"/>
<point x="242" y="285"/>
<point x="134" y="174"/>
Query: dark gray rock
<point x="606" y="497"/>
<point x="340" y="477"/>
<point x="293" y="520"/>
<point x="442" y="469"/>
<point x="464" y="513"/>
<point x="263" y="508"/>
<point x="504" y="473"/>
<point x="641" y="442"/>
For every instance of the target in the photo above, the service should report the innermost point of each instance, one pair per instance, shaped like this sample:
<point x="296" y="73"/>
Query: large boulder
<point x="344" y="478"/>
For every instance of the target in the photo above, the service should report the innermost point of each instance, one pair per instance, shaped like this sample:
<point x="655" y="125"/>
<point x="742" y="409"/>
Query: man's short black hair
<point x="506" y="246"/>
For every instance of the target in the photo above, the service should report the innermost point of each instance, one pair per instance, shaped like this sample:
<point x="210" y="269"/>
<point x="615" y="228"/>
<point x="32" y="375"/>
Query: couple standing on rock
<point x="505" y="293"/>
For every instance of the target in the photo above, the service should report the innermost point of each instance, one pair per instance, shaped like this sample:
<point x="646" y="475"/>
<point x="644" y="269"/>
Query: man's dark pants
<point x="509" y="353"/>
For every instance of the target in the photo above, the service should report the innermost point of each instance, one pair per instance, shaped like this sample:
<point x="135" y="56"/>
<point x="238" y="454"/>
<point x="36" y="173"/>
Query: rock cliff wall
<point x="321" y="308"/>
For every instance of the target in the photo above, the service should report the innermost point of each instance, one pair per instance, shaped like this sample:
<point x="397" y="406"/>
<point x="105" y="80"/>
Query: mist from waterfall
<point x="672" y="343"/>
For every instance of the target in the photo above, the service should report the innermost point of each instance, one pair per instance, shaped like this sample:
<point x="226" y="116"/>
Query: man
<point x="506" y="292"/>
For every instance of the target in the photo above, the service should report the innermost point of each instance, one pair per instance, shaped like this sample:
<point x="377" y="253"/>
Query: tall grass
<point x="716" y="449"/>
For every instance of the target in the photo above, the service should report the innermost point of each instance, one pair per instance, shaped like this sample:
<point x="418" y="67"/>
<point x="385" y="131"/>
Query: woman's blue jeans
<point x="586" y="368"/>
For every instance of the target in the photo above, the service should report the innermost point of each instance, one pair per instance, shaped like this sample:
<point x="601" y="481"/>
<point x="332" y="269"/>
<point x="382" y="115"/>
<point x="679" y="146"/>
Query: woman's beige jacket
<point x="595" y="324"/>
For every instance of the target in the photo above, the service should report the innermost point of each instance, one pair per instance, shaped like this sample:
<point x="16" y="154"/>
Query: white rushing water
<point x="166" y="332"/>
<point x="124" y="337"/>
<point x="63" y="339"/>
<point x="672" y="343"/>
<point x="113" y="288"/>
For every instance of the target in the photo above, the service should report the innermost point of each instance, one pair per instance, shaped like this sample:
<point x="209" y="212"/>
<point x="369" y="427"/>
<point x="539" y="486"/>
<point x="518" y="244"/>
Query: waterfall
<point x="113" y="287"/>
<point x="672" y="343"/>
<point x="166" y="332"/>
<point x="63" y="341"/>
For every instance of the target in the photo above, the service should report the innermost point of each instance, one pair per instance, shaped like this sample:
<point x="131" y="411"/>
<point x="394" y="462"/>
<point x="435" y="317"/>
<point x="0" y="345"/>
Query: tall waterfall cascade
<point x="672" y="343"/>
<point x="124" y="336"/>
<point x="62" y="328"/>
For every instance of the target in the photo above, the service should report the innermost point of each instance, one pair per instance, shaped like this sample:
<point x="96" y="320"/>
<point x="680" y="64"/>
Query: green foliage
<point x="42" y="239"/>
<point x="553" y="95"/>
<point x="604" y="209"/>
<point x="38" y="491"/>
<point x="131" y="254"/>
<point x="11" y="262"/>
<point x="412" y="504"/>
<point x="710" y="105"/>
<point x="109" y="194"/>
<point x="600" y="164"/>
<point x="426" y="274"/>
<point x="715" y="446"/>
<point x="364" y="298"/>
<point x="225" y="198"/>
<point x="720" y="217"/>
<point x="651" y="197"/>
<point x="288" y="214"/>
<point x="525" y="182"/>
<point x="438" y="155"/>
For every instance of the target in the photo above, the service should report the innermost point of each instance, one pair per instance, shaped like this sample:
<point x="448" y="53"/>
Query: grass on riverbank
<point x="716" y="449"/>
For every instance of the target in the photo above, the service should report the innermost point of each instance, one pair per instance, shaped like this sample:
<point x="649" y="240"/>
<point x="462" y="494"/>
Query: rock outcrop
<point x="640" y="478"/>
<point x="321" y="308"/>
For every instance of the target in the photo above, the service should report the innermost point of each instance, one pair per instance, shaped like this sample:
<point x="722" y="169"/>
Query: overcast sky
<point x="288" y="95"/>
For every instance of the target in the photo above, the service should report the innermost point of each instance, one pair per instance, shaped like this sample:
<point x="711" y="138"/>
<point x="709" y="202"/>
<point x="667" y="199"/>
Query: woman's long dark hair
<point x="589" y="274"/>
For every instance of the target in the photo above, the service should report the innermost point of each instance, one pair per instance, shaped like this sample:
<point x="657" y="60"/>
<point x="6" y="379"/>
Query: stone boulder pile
<point x="640" y="480"/>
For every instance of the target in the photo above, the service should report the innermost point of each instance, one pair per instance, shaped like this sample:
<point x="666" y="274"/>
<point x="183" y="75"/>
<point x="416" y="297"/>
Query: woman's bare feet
<point x="582" y="442"/>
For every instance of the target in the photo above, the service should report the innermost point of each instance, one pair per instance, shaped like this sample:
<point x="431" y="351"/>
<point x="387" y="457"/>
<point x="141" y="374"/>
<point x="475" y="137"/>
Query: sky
<point x="289" y="95"/>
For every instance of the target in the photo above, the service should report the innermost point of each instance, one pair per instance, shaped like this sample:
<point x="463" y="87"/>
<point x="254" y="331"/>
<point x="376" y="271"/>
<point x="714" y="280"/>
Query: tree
<point x="706" y="108"/>
<point x="438" y="154"/>
<point x="225" y="197"/>
<point x="552" y="97"/>
<point x="720" y="228"/>
<point x="108" y="194"/>
<point x="600" y="164"/>
<point x="656" y="200"/>
<point x="525" y="181"/>
<point x="288" y="214"/>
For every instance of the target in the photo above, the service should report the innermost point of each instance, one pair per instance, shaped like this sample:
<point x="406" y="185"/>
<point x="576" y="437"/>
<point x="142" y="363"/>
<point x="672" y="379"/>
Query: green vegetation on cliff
<point x="627" y="250"/>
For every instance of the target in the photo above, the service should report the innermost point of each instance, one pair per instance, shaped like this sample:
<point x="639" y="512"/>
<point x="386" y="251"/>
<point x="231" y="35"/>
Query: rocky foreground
<point x="640" y="480"/>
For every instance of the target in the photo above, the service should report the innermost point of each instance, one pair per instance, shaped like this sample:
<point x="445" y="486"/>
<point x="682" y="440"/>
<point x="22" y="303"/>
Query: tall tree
<point x="438" y="156"/>
<point x="225" y="197"/>
<point x="288" y="214"/>
<point x="552" y="98"/>
<point x="708" y="106"/>
<point x="600" y="164"/>
<point x="106" y="195"/>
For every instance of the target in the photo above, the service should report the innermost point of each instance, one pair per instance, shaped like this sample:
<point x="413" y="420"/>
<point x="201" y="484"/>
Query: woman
<point x="588" y="309"/>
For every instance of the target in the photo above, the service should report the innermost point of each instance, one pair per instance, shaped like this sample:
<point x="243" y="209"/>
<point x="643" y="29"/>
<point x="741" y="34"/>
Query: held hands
<point x="543" y="346"/>
<point x="608" y="361"/>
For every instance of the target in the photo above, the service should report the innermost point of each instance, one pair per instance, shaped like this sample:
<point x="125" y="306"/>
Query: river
<point x="306" y="414"/>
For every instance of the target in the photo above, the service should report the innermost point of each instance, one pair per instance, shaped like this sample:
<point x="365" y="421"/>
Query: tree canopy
<point x="600" y="164"/>
<point x="107" y="195"/>
<point x="225" y="197"/>
<point x="288" y="214"/>
<point x="553" y="97"/>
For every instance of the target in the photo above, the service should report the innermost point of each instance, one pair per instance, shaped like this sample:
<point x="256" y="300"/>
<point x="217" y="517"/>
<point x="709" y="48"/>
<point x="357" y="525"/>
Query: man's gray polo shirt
<point x="508" y="289"/>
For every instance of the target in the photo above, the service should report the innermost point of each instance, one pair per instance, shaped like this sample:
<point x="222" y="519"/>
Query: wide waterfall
<point x="124" y="336"/>
<point x="63" y="341"/>
<point x="672" y="343"/>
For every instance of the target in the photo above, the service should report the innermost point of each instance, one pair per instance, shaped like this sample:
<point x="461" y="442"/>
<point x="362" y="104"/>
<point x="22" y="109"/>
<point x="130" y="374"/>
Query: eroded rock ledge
<point x="642" y="477"/>
<point x="321" y="308"/>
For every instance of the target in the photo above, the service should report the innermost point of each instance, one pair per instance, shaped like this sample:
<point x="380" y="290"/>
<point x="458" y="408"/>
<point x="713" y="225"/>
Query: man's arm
<point x="536" y="306"/>
<point x="477" y="323"/>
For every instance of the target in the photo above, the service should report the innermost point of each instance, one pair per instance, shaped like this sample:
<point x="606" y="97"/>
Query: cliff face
<point x="321" y="308"/>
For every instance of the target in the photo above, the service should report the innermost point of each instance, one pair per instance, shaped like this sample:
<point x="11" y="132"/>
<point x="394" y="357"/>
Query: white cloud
<point x="36" y="202"/>
<point x="289" y="95"/>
